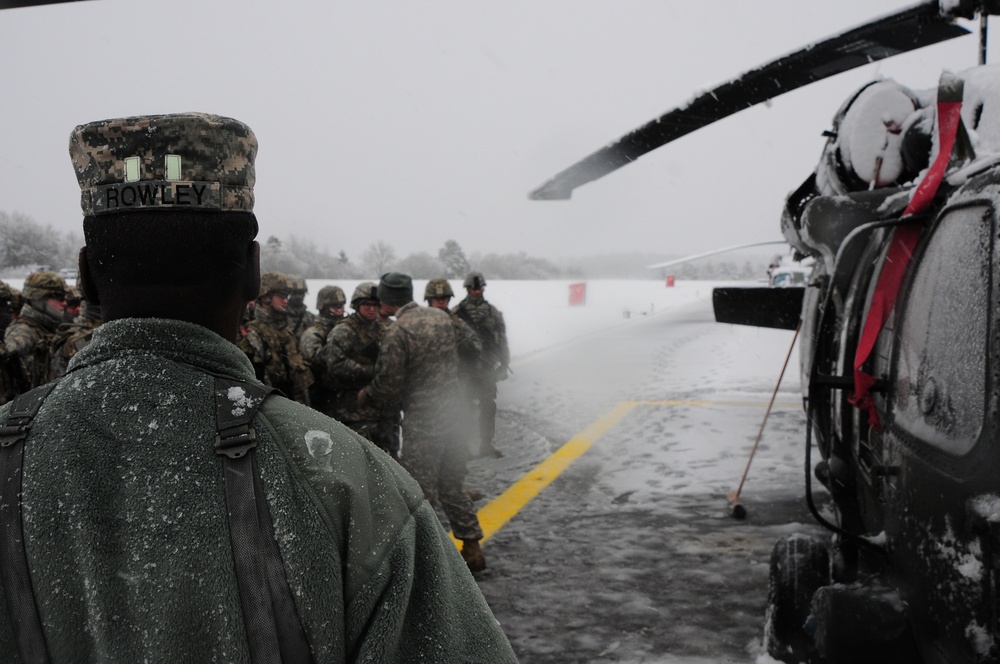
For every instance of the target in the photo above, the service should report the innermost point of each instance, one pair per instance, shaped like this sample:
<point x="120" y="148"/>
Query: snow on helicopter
<point x="900" y="347"/>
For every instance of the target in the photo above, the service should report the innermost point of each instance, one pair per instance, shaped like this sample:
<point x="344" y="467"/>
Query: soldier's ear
<point x="251" y="278"/>
<point x="86" y="281"/>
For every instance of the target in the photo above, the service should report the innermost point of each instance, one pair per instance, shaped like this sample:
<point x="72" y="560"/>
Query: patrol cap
<point x="438" y="288"/>
<point x="395" y="289"/>
<point x="330" y="295"/>
<point x="42" y="285"/>
<point x="474" y="280"/>
<point x="187" y="161"/>
<point x="366" y="290"/>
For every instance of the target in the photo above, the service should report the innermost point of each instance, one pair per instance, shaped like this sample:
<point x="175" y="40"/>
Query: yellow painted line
<point x="496" y="514"/>
<point x="752" y="404"/>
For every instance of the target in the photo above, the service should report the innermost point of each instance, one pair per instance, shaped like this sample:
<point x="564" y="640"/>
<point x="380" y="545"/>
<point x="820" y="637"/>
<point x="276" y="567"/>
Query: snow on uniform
<point x="488" y="323"/>
<point x="275" y="355"/>
<point x="418" y="367"/>
<point x="126" y="528"/>
<point x="349" y="357"/>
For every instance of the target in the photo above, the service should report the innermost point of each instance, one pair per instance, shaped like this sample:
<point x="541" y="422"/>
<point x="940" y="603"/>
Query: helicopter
<point x="899" y="347"/>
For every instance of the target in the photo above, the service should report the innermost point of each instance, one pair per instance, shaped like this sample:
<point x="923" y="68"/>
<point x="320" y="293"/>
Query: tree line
<point x="26" y="244"/>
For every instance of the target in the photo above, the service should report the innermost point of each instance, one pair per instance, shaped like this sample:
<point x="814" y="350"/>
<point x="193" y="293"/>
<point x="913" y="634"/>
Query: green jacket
<point x="126" y="534"/>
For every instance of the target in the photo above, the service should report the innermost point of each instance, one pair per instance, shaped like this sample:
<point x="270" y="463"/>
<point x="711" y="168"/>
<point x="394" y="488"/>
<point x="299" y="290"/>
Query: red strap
<point x="904" y="240"/>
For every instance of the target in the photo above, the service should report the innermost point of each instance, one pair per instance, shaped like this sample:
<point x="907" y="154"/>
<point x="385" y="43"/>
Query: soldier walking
<point x="487" y="321"/>
<point x="269" y="344"/>
<point x="418" y="368"/>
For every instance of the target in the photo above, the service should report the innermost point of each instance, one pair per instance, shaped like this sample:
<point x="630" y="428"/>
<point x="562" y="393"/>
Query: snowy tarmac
<point x="628" y="440"/>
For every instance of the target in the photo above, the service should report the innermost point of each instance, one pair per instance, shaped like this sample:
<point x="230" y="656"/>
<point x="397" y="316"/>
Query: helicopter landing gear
<point x="800" y="565"/>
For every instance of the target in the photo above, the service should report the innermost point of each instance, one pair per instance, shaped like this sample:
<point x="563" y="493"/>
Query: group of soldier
<point x="341" y="365"/>
<point x="43" y="326"/>
<point x="411" y="387"/>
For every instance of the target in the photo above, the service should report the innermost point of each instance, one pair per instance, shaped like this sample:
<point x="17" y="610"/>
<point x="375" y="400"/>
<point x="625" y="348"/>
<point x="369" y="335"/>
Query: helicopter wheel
<point x="800" y="565"/>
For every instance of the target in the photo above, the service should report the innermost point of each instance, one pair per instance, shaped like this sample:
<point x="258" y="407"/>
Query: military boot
<point x="473" y="556"/>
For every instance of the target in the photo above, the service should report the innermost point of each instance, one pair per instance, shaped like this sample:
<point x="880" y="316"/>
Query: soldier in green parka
<point x="126" y="528"/>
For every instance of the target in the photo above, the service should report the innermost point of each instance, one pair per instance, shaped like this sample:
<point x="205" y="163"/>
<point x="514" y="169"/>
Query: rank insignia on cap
<point x="185" y="160"/>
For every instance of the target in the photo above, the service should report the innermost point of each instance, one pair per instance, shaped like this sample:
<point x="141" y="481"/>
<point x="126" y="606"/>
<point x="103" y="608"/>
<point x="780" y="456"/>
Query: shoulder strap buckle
<point x="233" y="442"/>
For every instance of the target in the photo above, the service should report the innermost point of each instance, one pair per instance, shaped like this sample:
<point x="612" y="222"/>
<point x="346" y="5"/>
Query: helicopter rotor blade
<point x="907" y="30"/>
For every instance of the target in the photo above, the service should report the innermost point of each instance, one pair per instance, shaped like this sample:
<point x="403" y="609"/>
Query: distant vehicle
<point x="68" y="273"/>
<point x="900" y="347"/>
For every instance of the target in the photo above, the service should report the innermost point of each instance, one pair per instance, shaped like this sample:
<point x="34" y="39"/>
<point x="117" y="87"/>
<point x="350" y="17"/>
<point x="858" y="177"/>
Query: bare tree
<point x="25" y="242"/>
<point x="378" y="258"/>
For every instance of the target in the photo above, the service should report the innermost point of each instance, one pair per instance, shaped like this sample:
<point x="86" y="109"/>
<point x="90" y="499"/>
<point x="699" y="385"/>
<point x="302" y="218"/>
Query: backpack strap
<point x="21" y="607"/>
<point x="273" y="629"/>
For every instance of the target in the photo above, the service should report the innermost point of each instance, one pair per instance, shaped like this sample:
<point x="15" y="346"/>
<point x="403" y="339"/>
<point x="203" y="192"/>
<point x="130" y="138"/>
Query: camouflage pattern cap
<point x="42" y="285"/>
<point x="438" y="288"/>
<point x="297" y="283"/>
<point x="181" y="161"/>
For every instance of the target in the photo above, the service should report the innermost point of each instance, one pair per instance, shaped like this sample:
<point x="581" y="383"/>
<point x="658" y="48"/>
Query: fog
<point x="415" y="123"/>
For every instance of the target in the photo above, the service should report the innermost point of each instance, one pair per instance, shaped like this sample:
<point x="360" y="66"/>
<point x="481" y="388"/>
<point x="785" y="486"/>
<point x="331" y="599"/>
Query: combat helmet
<point x="366" y="290"/>
<point x="273" y="282"/>
<point x="474" y="280"/>
<point x="42" y="285"/>
<point x="297" y="284"/>
<point x="438" y="288"/>
<point x="330" y="296"/>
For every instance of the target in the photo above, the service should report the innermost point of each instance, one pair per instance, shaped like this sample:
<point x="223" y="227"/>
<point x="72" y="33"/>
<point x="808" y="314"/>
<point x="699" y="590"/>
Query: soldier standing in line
<point x="487" y="321"/>
<point x="70" y="338"/>
<point x="299" y="318"/>
<point x="29" y="338"/>
<point x="438" y="294"/>
<point x="74" y="301"/>
<point x="10" y="387"/>
<point x="269" y="344"/>
<point x="330" y="304"/>
<point x="350" y="354"/>
<point x="418" y="367"/>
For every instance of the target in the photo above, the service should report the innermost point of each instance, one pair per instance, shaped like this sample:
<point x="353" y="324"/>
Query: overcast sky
<point x="418" y="122"/>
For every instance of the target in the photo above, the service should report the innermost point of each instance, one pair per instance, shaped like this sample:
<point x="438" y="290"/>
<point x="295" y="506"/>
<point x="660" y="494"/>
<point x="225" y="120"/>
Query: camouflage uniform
<point x="71" y="338"/>
<point x="488" y="323"/>
<point x="417" y="367"/>
<point x="311" y="345"/>
<point x="299" y="318"/>
<point x="470" y="351"/>
<point x="29" y="338"/>
<point x="274" y="352"/>
<point x="351" y="353"/>
<point x="10" y="382"/>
